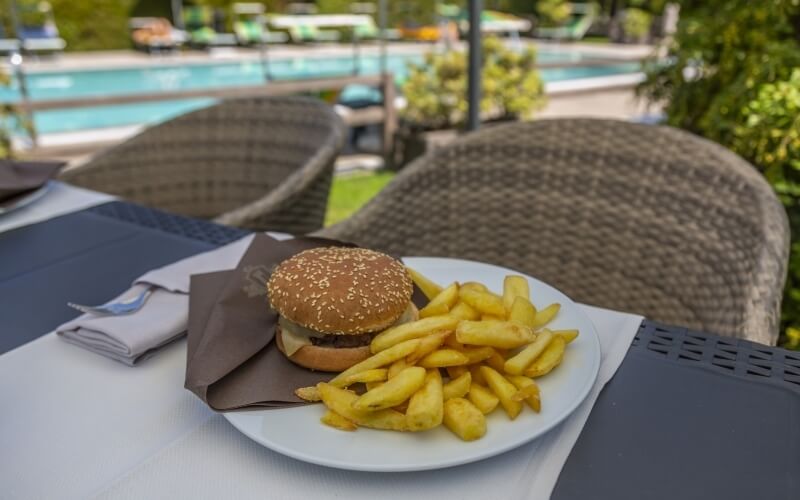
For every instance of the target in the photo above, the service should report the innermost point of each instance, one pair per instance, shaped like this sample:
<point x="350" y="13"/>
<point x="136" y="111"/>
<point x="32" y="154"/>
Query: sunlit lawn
<point x="351" y="191"/>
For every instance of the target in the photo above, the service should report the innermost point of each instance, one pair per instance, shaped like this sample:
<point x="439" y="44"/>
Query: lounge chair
<point x="632" y="217"/>
<point x="38" y="38"/>
<point x="8" y="45"/>
<point x="155" y="34"/>
<point x="199" y="22"/>
<point x="582" y="17"/>
<point x="250" y="25"/>
<point x="259" y="163"/>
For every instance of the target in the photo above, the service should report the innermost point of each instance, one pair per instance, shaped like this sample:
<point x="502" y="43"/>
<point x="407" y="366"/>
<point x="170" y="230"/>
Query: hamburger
<point x="331" y="302"/>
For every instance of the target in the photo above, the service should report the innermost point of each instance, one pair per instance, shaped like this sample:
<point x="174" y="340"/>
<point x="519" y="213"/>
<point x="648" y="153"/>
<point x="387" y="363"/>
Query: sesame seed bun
<point x="326" y="359"/>
<point x="340" y="291"/>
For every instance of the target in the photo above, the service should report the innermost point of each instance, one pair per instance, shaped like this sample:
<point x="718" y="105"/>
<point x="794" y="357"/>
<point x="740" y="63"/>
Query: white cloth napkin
<point x="132" y="338"/>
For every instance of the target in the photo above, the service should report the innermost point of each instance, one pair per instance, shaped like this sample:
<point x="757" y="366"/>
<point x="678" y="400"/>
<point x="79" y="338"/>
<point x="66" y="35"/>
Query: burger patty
<point x="343" y="340"/>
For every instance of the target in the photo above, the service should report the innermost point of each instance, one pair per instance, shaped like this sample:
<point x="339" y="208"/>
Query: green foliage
<point x="94" y="24"/>
<point x="636" y="23"/>
<point x="436" y="90"/>
<point x="553" y="12"/>
<point x="731" y="77"/>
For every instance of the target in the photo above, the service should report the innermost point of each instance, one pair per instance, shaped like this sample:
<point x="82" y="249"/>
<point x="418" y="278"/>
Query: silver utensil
<point x="115" y="308"/>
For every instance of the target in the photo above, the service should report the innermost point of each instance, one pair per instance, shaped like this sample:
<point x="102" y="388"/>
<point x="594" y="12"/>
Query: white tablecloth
<point x="77" y="425"/>
<point x="60" y="199"/>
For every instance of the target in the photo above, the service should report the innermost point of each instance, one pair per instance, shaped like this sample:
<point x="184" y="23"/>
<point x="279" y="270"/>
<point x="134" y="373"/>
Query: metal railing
<point x="384" y="113"/>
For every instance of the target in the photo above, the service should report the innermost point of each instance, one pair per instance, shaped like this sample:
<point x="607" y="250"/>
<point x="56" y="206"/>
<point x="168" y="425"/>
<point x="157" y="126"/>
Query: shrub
<point x="436" y="90"/>
<point x="636" y="23"/>
<point x="553" y="12"/>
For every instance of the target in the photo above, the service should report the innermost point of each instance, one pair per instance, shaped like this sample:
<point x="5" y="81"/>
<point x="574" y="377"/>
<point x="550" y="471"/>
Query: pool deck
<point x="129" y="58"/>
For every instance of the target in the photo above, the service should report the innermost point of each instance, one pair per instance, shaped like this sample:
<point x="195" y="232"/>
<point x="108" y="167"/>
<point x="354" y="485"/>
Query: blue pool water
<point x="170" y="77"/>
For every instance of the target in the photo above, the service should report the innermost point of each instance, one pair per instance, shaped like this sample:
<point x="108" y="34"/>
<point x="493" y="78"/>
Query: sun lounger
<point x="583" y="16"/>
<point x="155" y="34"/>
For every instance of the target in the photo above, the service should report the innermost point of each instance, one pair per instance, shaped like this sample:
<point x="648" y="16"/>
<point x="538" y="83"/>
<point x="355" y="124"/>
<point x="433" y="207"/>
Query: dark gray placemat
<point x="691" y="415"/>
<point x="88" y="257"/>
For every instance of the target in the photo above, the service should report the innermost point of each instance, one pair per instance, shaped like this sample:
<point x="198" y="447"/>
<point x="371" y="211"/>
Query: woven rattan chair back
<point x="259" y="163"/>
<point x="638" y="218"/>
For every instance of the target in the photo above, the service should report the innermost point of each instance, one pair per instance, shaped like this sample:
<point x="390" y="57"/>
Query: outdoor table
<point x="687" y="415"/>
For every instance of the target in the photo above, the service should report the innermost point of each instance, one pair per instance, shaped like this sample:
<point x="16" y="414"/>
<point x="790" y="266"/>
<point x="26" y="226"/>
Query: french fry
<point x="526" y="392"/>
<point x="482" y="398"/>
<point x="442" y="358"/>
<point x="456" y="371"/>
<point x="458" y="387"/>
<point x="451" y="342"/>
<point x="527" y="388"/>
<point x="396" y="367"/>
<point x="337" y="421"/>
<point x="484" y="302"/>
<point x="492" y="317"/>
<point x="402" y="407"/>
<point x="474" y="285"/>
<point x="373" y="385"/>
<point x="549" y="359"/>
<point x="477" y="354"/>
<point x="504" y="390"/>
<point x="310" y="394"/>
<point x="496" y="361"/>
<point x="517" y="364"/>
<point x="341" y="401"/>
<point x="413" y="330"/>
<point x="373" y="375"/>
<point x="462" y="310"/>
<point x="463" y="419"/>
<point x="425" y="408"/>
<point x="392" y="392"/>
<point x="426" y="346"/>
<point x="477" y="377"/>
<point x="502" y="334"/>
<point x="428" y="287"/>
<point x="523" y="312"/>
<point x="513" y="287"/>
<point x="383" y="358"/>
<point x="442" y="303"/>
<point x="567" y="335"/>
<point x="432" y="309"/>
<point x="546" y="315"/>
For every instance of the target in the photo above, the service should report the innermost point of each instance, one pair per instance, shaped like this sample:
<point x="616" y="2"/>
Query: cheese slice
<point x="294" y="336"/>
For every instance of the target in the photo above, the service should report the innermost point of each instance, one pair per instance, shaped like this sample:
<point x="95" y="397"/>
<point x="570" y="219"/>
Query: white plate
<point x="23" y="201"/>
<point x="298" y="433"/>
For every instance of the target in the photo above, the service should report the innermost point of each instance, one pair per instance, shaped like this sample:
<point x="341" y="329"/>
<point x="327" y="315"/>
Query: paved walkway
<point x="130" y="58"/>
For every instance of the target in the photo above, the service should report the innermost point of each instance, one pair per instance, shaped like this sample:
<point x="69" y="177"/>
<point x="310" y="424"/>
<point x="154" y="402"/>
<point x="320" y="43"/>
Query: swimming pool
<point x="161" y="77"/>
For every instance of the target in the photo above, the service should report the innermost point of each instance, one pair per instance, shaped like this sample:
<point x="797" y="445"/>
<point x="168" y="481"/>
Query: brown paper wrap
<point x="232" y="361"/>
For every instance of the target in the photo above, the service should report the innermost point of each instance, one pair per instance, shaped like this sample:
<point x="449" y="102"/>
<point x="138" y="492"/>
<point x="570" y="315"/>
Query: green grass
<point x="350" y="192"/>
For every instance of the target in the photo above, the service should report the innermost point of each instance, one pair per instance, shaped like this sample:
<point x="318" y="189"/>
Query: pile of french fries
<point x="470" y="352"/>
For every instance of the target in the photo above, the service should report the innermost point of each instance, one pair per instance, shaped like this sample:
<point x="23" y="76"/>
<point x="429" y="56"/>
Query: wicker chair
<point x="638" y="218"/>
<point x="258" y="163"/>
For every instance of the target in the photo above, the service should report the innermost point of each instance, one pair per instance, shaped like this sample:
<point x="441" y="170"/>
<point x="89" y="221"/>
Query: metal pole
<point x="474" y="82"/>
<point x="356" y="53"/>
<point x="263" y="56"/>
<point x="177" y="13"/>
<point x="16" y="63"/>
<point x="382" y="15"/>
